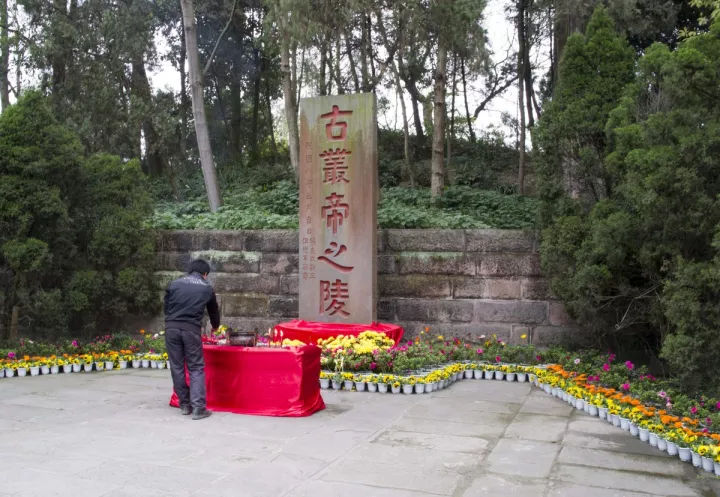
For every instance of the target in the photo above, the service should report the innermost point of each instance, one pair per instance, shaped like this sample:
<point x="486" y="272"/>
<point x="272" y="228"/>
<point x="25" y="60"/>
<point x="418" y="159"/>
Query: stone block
<point x="173" y="261"/>
<point x="434" y="310"/>
<point x="518" y="331"/>
<point x="545" y="336"/>
<point x="280" y="241"/>
<point x="238" y="305"/>
<point x="465" y="331"/>
<point x="434" y="263"/>
<point x="245" y="282"/>
<point x="557" y="315"/>
<point x="176" y="241"/>
<point x="413" y="285"/>
<point x="510" y="311"/>
<point x="386" y="264"/>
<point x="289" y="284"/>
<point x="285" y="307"/>
<point x="508" y="265"/>
<point x="433" y="240"/>
<point x="229" y="261"/>
<point x="165" y="277"/>
<point x="502" y="288"/>
<point x="276" y="263"/>
<point x="224" y="240"/>
<point x="535" y="289"/>
<point x="468" y="287"/>
<point x="386" y="310"/>
<point x="493" y="240"/>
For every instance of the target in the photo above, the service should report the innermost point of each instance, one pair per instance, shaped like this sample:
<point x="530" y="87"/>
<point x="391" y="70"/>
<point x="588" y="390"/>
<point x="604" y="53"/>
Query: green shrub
<point x="71" y="235"/>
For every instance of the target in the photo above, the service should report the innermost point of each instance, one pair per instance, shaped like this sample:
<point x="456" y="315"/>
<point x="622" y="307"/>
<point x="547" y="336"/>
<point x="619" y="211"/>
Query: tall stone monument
<point x="338" y="208"/>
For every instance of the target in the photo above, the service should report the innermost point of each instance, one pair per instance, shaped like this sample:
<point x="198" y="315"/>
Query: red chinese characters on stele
<point x="334" y="295"/>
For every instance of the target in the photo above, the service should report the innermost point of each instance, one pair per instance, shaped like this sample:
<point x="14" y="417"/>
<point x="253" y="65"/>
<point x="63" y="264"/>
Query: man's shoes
<point x="200" y="413"/>
<point x="185" y="410"/>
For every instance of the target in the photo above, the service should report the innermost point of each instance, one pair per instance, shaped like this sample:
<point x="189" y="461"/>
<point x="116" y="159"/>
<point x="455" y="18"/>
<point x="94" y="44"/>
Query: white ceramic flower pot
<point x="135" y="363"/>
<point x="419" y="387"/>
<point x="477" y="374"/>
<point x="160" y="365"/>
<point x="76" y="368"/>
<point x="521" y="377"/>
<point x="337" y="385"/>
<point x="145" y="363"/>
<point x="360" y="386"/>
<point x="167" y="364"/>
<point x="34" y="370"/>
<point x="407" y="389"/>
<point x="372" y="387"/>
<point x="510" y="377"/>
<point x="707" y="464"/>
<point x="347" y="384"/>
<point x="324" y="383"/>
<point x="21" y="371"/>
<point x="99" y="366"/>
<point x="45" y="369"/>
<point x="592" y="410"/>
<point x="644" y="434"/>
<point x="489" y="375"/>
<point x="579" y="404"/>
<point x="672" y="448"/>
<point x="634" y="430"/>
<point x="684" y="453"/>
<point x="653" y="440"/>
<point x="625" y="424"/>
<point x="547" y="388"/>
<point x="716" y="468"/>
<point x="122" y="364"/>
<point x="468" y="374"/>
<point x="616" y="421"/>
<point x="586" y="408"/>
<point x="499" y="375"/>
<point x="2" y="372"/>
<point x="153" y="364"/>
<point x="9" y="372"/>
<point x="662" y="444"/>
<point x="602" y="412"/>
<point x="395" y="389"/>
<point x="55" y="369"/>
<point x="382" y="387"/>
<point x="109" y="365"/>
<point x="696" y="459"/>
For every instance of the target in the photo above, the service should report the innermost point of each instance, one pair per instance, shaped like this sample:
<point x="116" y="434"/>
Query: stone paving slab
<point x="113" y="435"/>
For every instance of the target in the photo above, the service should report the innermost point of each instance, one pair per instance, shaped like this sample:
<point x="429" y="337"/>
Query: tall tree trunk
<point x="254" y="139"/>
<point x="471" y="131"/>
<point x="451" y="134"/>
<point x="141" y="88"/>
<point x="338" y="75"/>
<point x="184" y="104"/>
<point x="322" y="88"/>
<point x="291" y="108"/>
<point x="198" y="105"/>
<point x="437" y="180"/>
<point x="4" y="57"/>
<point x="521" y="100"/>
<point x="353" y="67"/>
<point x="363" y="58"/>
<point x="527" y="69"/>
<point x="406" y="130"/>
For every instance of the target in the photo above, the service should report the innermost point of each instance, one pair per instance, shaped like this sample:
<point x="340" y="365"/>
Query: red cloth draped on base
<point x="266" y="381"/>
<point x="310" y="331"/>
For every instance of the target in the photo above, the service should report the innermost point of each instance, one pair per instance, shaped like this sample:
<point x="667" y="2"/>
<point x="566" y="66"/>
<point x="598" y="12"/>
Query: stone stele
<point x="338" y="208"/>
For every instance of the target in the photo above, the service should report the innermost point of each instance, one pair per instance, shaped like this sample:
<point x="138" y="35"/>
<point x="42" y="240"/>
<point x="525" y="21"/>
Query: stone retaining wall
<point x="460" y="283"/>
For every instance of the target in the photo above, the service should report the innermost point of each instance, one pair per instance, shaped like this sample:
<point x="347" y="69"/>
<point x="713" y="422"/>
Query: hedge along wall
<point x="460" y="283"/>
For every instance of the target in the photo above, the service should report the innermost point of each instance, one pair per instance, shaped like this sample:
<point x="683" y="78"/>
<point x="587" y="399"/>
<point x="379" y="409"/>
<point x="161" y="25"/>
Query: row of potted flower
<point x="424" y="381"/>
<point x="35" y="366"/>
<point x="678" y="436"/>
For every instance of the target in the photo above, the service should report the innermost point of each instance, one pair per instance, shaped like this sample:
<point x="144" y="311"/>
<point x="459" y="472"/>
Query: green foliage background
<point x="73" y="250"/>
<point x="637" y="263"/>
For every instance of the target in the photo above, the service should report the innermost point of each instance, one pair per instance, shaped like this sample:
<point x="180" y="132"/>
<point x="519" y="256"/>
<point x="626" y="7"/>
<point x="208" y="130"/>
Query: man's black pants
<point x="185" y="347"/>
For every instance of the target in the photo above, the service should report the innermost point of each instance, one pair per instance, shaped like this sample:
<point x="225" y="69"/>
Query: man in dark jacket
<point x="186" y="299"/>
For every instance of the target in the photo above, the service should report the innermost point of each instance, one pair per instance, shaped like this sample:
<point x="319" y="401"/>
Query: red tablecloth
<point x="310" y="331"/>
<point x="267" y="381"/>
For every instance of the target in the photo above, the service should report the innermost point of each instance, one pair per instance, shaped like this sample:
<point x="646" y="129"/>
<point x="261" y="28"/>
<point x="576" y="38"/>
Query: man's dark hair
<point x="199" y="266"/>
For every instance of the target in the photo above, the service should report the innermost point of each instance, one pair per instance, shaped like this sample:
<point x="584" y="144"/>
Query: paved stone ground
<point x="112" y="434"/>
